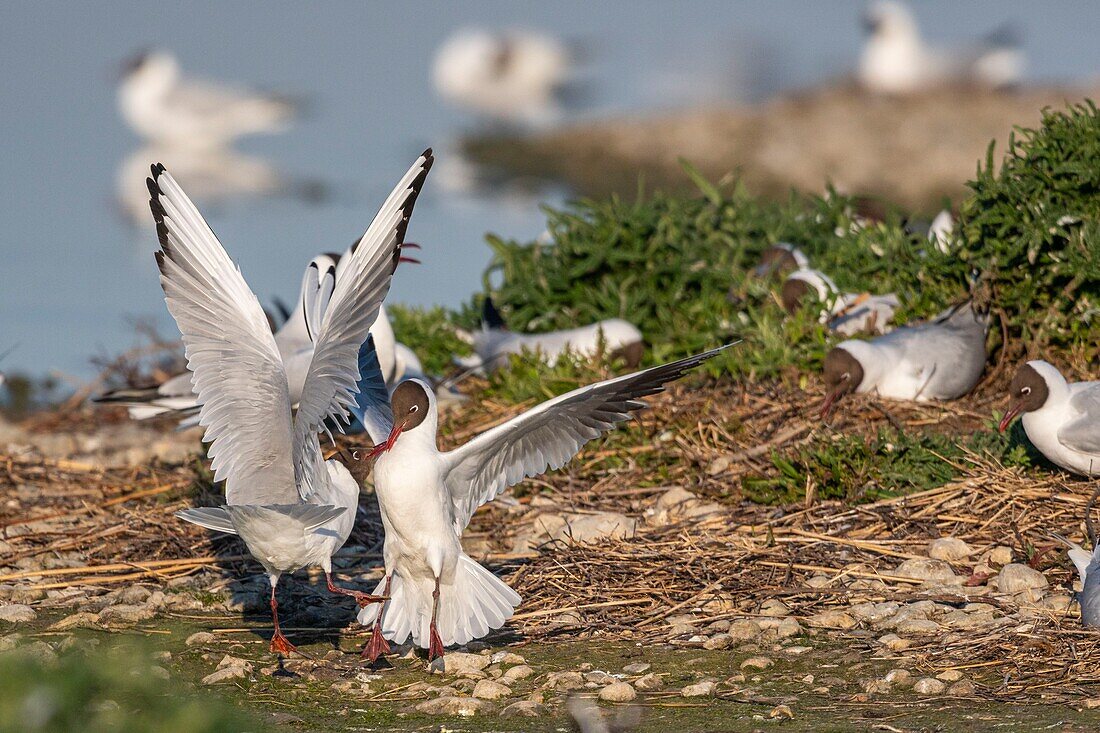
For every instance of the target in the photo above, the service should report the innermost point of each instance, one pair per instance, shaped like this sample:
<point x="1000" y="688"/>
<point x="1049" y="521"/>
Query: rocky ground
<point x="655" y="593"/>
<point x="914" y="151"/>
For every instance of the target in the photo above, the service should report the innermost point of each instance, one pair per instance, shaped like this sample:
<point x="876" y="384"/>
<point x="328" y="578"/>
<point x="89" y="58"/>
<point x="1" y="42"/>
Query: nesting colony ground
<point x="725" y="562"/>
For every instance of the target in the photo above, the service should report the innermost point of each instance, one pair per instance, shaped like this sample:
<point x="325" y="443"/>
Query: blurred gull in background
<point x="895" y="59"/>
<point x="510" y="77"/>
<point x="190" y="126"/>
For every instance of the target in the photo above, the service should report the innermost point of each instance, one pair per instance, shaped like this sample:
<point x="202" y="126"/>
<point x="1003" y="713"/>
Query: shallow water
<point x="74" y="275"/>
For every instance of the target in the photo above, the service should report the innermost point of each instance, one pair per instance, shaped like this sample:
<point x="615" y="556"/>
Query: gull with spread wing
<point x="438" y="594"/>
<point x="292" y="508"/>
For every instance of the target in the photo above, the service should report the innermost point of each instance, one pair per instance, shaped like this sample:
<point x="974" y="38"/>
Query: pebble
<point x="920" y="568"/>
<point x="949" y="549"/>
<point x="681" y="630"/>
<point x="700" y="689"/>
<point x="918" y="626"/>
<point x="950" y="675"/>
<point x="832" y="620"/>
<point x="929" y="686"/>
<point x="781" y="711"/>
<point x="80" y="620"/>
<point x="519" y="672"/>
<point x="999" y="555"/>
<point x="490" y="690"/>
<point x="39" y="651"/>
<point x="524" y="709"/>
<point x="599" y="677"/>
<point x="744" y="630"/>
<point x="649" y="682"/>
<point x="159" y="673"/>
<point x="1016" y="578"/>
<point x="507" y="658"/>
<point x="774" y="608"/>
<point x="461" y="662"/>
<point x="125" y="614"/>
<point x="618" y="692"/>
<point x="17" y="614"/>
<point x="895" y="643"/>
<point x="962" y="688"/>
<point x="224" y="674"/>
<point x="787" y="628"/>
<point x="563" y="681"/>
<point x="200" y="637"/>
<point x="718" y="641"/>
<point x="899" y="677"/>
<point x="757" y="663"/>
<point x="637" y="668"/>
<point x="874" y="612"/>
<point x="797" y="651"/>
<point x="462" y="706"/>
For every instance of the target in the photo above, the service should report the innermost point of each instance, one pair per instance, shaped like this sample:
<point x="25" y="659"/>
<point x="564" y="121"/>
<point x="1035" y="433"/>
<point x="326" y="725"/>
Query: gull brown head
<point x="1028" y="392"/>
<point x="410" y="404"/>
<point x="842" y="373"/>
<point x="776" y="260"/>
<point x="794" y="293"/>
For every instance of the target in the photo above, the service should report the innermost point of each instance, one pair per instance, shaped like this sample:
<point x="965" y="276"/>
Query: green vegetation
<point x="1032" y="227"/>
<point x="113" y="691"/>
<point x="858" y="468"/>
<point x="678" y="267"/>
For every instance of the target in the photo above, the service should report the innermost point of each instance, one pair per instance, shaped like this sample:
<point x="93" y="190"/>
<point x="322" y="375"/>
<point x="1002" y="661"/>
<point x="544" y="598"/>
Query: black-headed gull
<point x="438" y="594"/>
<point x="1088" y="568"/>
<point x="845" y="313"/>
<point x="896" y="60"/>
<point x="493" y="343"/>
<point x="163" y="106"/>
<point x="292" y="508"/>
<point x="515" y="77"/>
<point x="1061" y="419"/>
<point x="939" y="360"/>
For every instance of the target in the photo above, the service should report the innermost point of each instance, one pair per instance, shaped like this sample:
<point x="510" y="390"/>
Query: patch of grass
<point x="857" y="468"/>
<point x="114" y="691"/>
<point x="430" y="332"/>
<point x="1032" y="226"/>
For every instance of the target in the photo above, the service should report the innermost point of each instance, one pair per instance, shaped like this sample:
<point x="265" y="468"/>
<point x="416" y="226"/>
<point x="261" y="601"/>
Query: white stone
<point x="618" y="692"/>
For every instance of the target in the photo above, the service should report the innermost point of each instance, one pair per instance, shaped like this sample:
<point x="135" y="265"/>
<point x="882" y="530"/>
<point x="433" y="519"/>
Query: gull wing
<point x="549" y="435"/>
<point x="331" y="382"/>
<point x="1083" y="432"/>
<point x="238" y="375"/>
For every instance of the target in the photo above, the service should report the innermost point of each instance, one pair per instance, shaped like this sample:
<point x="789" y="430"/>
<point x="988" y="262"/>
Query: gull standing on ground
<point x="896" y="60"/>
<point x="292" y="508"/>
<point x="163" y="106"/>
<point x="1061" y="419"/>
<point x="1088" y="567"/>
<point x="437" y="593"/>
<point x="494" y="343"/>
<point x="939" y="360"/>
<point x="845" y="313"/>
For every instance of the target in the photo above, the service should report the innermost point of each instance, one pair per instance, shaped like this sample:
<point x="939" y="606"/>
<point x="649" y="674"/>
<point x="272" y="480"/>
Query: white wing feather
<point x="1083" y="432"/>
<point x="238" y="378"/>
<point x="549" y="435"/>
<point x="364" y="280"/>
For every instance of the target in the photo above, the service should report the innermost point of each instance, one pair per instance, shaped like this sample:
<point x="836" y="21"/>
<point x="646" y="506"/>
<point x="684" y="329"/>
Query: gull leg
<point x="435" y="644"/>
<point x="363" y="599"/>
<point x="377" y="646"/>
<point x="279" y="643"/>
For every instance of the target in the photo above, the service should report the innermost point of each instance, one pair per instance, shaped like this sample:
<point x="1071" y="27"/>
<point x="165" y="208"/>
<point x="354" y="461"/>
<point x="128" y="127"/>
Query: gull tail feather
<point x="472" y="605"/>
<point x="214" y="518"/>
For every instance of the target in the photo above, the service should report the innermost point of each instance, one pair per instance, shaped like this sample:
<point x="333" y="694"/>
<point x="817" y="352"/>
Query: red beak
<point x="387" y="444"/>
<point x="1009" y="417"/>
<point x="830" y="400"/>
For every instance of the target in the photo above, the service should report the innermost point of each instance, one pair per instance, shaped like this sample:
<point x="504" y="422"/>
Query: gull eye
<point x="414" y="408"/>
<point x="1025" y="390"/>
<point x="846" y="375"/>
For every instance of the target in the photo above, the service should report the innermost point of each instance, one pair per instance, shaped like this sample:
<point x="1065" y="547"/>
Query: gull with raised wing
<point x="939" y="360"/>
<point x="848" y="314"/>
<point x="295" y="340"/>
<point x="292" y="508"/>
<point x="438" y="594"/>
<point x="1061" y="419"/>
